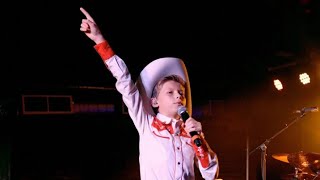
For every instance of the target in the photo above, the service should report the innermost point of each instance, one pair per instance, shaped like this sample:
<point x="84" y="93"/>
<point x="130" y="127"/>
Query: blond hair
<point x="165" y="79"/>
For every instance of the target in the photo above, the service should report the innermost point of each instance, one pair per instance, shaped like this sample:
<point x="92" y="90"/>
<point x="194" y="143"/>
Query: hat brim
<point x="158" y="69"/>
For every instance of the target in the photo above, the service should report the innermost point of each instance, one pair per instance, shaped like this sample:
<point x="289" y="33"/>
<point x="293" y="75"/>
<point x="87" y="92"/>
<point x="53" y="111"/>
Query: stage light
<point x="304" y="78"/>
<point x="277" y="83"/>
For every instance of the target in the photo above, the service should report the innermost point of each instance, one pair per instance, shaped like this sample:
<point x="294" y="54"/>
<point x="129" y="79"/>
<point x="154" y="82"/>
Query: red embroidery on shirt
<point x="160" y="126"/>
<point x="183" y="132"/>
<point x="160" y="135"/>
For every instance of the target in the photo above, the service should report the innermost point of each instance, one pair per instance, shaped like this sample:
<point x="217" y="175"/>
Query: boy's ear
<point x="154" y="102"/>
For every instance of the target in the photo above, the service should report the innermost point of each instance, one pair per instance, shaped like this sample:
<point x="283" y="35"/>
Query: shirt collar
<point x="165" y="119"/>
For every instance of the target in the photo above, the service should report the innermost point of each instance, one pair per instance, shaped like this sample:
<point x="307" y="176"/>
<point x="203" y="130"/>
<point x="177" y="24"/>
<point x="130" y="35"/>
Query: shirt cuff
<point x="104" y="50"/>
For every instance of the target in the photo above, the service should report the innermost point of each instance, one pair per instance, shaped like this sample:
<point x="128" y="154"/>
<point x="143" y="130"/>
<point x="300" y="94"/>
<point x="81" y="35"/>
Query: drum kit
<point x="306" y="165"/>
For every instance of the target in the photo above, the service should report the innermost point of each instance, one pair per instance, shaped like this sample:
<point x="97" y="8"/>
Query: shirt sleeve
<point x="207" y="160"/>
<point x="124" y="85"/>
<point x="104" y="50"/>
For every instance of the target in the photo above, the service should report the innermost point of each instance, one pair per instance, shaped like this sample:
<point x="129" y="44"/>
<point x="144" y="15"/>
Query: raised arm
<point x="118" y="68"/>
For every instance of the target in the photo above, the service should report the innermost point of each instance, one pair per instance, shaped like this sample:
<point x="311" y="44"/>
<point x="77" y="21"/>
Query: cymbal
<point x="307" y="162"/>
<point x="281" y="157"/>
<point x="300" y="176"/>
<point x="314" y="159"/>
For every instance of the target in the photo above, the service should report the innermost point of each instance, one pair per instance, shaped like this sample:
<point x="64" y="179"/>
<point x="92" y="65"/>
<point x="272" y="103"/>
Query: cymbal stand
<point x="315" y="177"/>
<point x="263" y="146"/>
<point x="296" y="171"/>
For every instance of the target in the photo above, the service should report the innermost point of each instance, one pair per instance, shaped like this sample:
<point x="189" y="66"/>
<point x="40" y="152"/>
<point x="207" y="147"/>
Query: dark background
<point x="232" y="49"/>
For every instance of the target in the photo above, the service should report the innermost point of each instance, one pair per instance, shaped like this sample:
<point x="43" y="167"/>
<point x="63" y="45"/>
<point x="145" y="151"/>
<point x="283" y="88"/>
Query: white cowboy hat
<point x="158" y="69"/>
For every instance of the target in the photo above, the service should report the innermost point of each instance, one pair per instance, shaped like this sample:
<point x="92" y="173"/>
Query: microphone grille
<point x="181" y="109"/>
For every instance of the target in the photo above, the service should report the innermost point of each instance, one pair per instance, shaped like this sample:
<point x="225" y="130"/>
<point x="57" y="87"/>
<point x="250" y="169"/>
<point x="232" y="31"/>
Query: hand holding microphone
<point x="192" y="126"/>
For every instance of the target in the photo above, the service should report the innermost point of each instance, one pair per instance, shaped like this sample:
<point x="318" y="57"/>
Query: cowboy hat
<point x="158" y="69"/>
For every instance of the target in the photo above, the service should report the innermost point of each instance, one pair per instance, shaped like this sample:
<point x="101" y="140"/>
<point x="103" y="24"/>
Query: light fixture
<point x="277" y="83"/>
<point x="304" y="78"/>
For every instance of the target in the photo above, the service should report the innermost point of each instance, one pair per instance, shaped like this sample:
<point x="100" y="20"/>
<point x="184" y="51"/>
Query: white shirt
<point x="165" y="153"/>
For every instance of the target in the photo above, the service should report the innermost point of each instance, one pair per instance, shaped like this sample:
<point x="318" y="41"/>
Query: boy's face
<point x="170" y="97"/>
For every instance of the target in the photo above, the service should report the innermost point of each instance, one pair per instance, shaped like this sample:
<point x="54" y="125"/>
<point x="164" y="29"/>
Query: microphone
<point x="307" y="109"/>
<point x="182" y="111"/>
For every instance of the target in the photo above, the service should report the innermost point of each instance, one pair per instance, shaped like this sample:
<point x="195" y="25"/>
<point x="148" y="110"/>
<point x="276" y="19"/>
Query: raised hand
<point x="90" y="28"/>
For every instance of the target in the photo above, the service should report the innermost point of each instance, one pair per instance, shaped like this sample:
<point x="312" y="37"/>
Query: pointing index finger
<point x="86" y="14"/>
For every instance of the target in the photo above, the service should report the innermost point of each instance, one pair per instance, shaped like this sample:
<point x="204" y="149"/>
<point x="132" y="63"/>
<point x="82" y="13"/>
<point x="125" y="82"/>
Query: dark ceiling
<point x="224" y="44"/>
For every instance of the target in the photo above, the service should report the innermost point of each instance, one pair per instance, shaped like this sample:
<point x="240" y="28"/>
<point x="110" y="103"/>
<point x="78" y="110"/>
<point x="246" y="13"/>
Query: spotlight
<point x="277" y="83"/>
<point x="304" y="78"/>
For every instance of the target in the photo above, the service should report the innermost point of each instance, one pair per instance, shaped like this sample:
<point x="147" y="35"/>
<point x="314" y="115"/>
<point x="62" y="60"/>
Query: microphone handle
<point x="196" y="139"/>
<point x="194" y="134"/>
